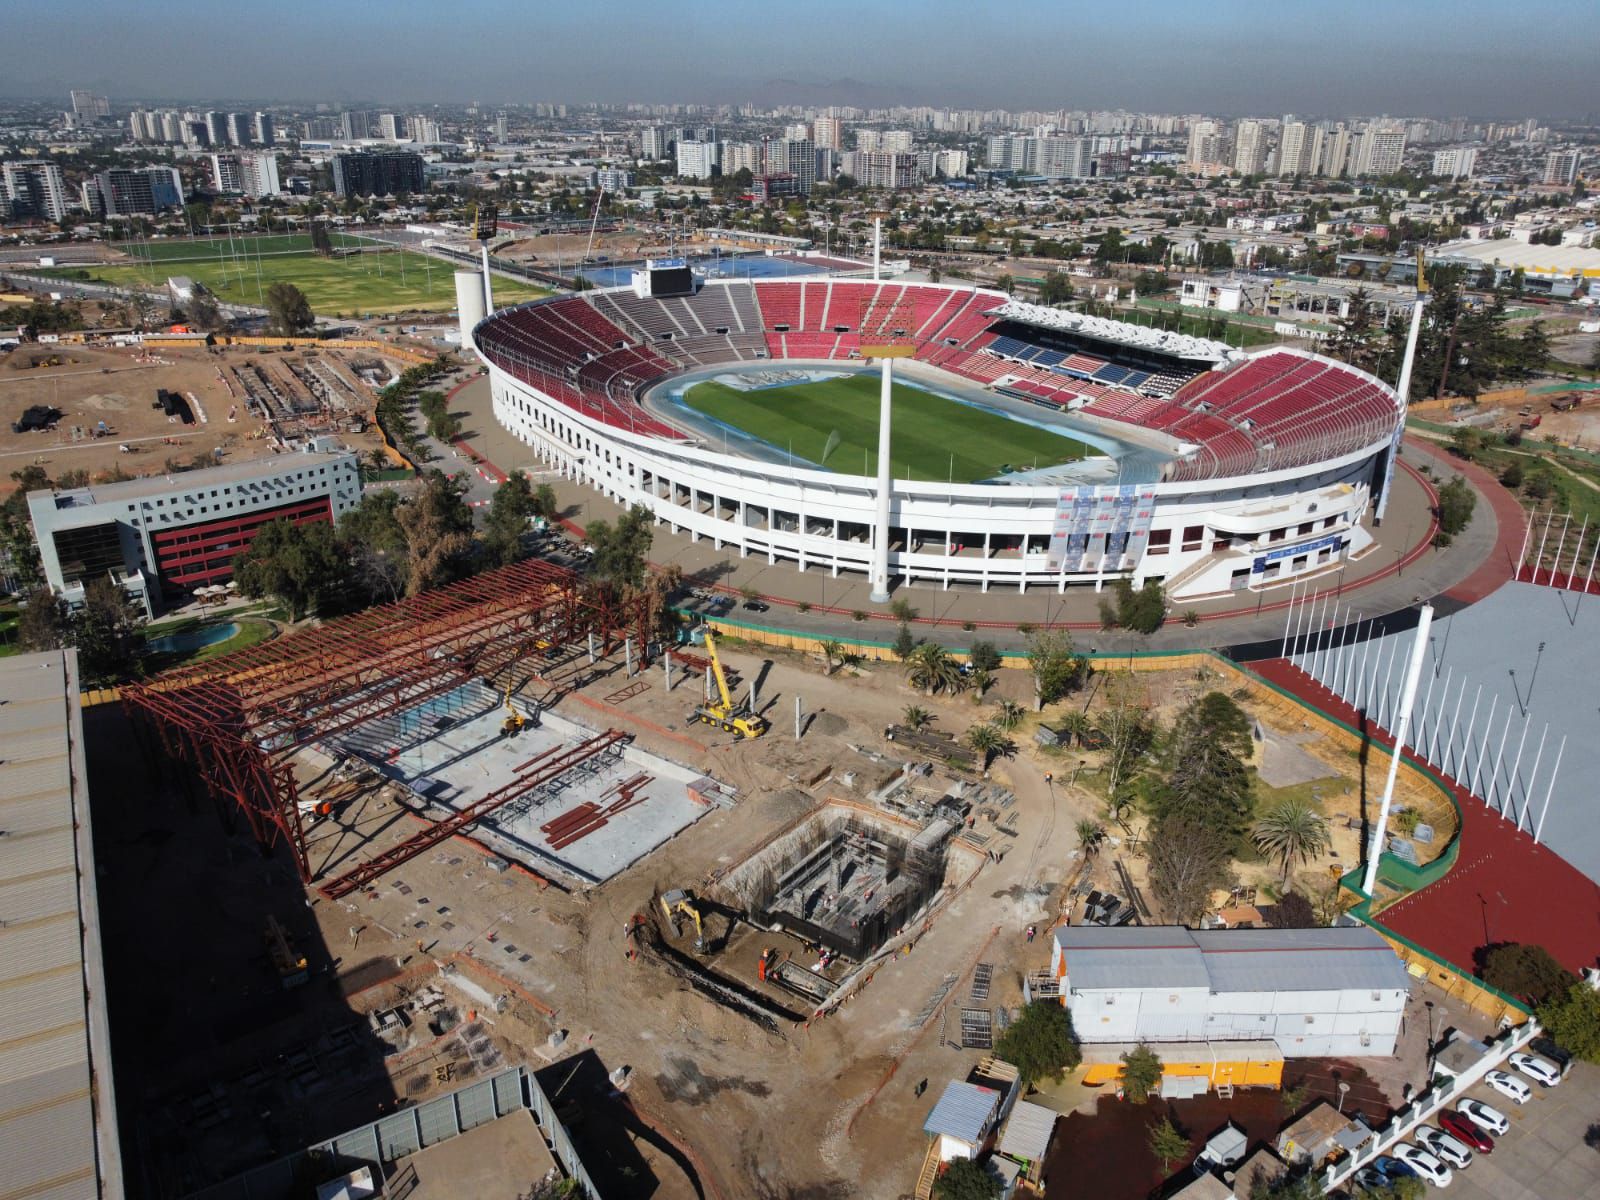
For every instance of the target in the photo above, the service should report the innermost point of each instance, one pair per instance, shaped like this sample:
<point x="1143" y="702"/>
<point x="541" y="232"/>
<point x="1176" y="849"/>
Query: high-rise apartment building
<point x="216" y="128"/>
<point x="424" y="130"/>
<point x="697" y="160"/>
<point x="654" y="143"/>
<point x="1208" y="144"/>
<point x="1379" y="150"/>
<point x="884" y="169"/>
<point x="130" y="192"/>
<point x="792" y="156"/>
<point x="36" y="189"/>
<point x="390" y="127"/>
<point x="378" y="173"/>
<point x="828" y="133"/>
<point x="239" y="131"/>
<point x="266" y="135"/>
<point x="952" y="164"/>
<point x="1336" y="151"/>
<point x="1561" y="167"/>
<point x="1250" y="147"/>
<point x="358" y="124"/>
<point x="1300" y="149"/>
<point x="740" y="156"/>
<point x="250" y="173"/>
<point x="1457" y="162"/>
<point x="86" y="106"/>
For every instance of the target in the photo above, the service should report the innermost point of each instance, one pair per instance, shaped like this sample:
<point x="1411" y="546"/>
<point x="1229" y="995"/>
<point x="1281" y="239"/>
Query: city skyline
<point x="1236" y="57"/>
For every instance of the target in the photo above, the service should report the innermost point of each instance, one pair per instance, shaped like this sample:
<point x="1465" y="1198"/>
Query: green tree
<point x="105" y="632"/>
<point x="915" y="717"/>
<point x="1466" y="442"/>
<point x="1143" y="610"/>
<point x="297" y="564"/>
<point x="1040" y="1042"/>
<point x="16" y="527"/>
<point x="964" y="1179"/>
<point x="621" y="550"/>
<point x="1573" y="1020"/>
<point x="288" y="311"/>
<point x="930" y="669"/>
<point x="438" y="530"/>
<point x="1091" y="835"/>
<point x="43" y="622"/>
<point x="1141" y="1073"/>
<point x="1009" y="715"/>
<point x="1058" y="668"/>
<point x="507" y="522"/>
<point x="1292" y="911"/>
<point x="984" y="656"/>
<point x="1456" y="503"/>
<point x="1055" y="288"/>
<point x="904" y="643"/>
<point x="544" y="502"/>
<point x="1528" y="972"/>
<point x="832" y="652"/>
<point x="374" y="544"/>
<point x="988" y="741"/>
<point x="1209" y="780"/>
<point x="1289" y="831"/>
<point x="1166" y="1143"/>
<point x="1189" y="859"/>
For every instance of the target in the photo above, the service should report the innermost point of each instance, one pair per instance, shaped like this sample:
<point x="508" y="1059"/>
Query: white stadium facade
<point x="1215" y="470"/>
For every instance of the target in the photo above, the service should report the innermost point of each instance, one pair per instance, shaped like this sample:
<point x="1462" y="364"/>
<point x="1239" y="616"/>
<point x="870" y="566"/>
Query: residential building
<point x="127" y="191"/>
<point x="740" y="156"/>
<point x="828" y="133"/>
<point x="1208" y="143"/>
<point x="239" y="131"/>
<point x="265" y="135"/>
<point x="424" y="130"/>
<point x="162" y="536"/>
<point x="889" y="141"/>
<point x="358" y="124"/>
<point x="654" y="144"/>
<point x="1336" y="152"/>
<point x="216" y="128"/>
<point x="390" y="127"/>
<point x="612" y="179"/>
<point x="172" y="127"/>
<point x="1299" y="149"/>
<point x="249" y="173"/>
<point x="1314" y="992"/>
<point x="1457" y="162"/>
<point x="951" y="164"/>
<point x="378" y="173"/>
<point x="1250" y="147"/>
<point x="882" y="169"/>
<point x="697" y="160"/>
<point x="1561" y="167"/>
<point x="1379" y="150"/>
<point x="791" y="156"/>
<point x="196" y="133"/>
<point x="36" y="189"/>
<point x="86" y="106"/>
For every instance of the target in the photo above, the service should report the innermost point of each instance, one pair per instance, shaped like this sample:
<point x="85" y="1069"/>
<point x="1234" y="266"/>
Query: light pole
<point x="1344" y="1090"/>
<point x="1535" y="677"/>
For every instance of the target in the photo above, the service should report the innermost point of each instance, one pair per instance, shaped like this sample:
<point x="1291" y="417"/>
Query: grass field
<point x="934" y="438"/>
<point x="359" y="285"/>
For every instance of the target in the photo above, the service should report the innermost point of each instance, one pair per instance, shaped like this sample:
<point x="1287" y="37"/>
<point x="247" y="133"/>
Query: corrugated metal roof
<point x="1229" y="960"/>
<point x="962" y="1112"/>
<point x="1028" y="1130"/>
<point x="48" y="1144"/>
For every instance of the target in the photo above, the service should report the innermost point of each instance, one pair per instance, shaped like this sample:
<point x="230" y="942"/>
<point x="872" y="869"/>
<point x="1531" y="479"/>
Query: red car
<point x="1458" y="1126"/>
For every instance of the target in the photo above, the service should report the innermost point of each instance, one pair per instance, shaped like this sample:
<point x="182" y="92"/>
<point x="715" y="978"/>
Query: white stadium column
<point x="880" y="532"/>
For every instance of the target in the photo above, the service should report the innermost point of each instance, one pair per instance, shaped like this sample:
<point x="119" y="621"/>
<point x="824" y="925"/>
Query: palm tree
<point x="914" y="717"/>
<point x="1090" y="835"/>
<point x="832" y="648"/>
<point x="980" y="681"/>
<point x="1075" y="725"/>
<point x="1009" y="716"/>
<point x="988" y="741"/>
<point x="930" y="669"/>
<point x="1292" y="830"/>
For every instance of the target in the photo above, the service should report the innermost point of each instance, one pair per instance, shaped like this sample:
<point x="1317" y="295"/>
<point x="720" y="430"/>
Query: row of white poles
<point x="1536" y="563"/>
<point x="1354" y="657"/>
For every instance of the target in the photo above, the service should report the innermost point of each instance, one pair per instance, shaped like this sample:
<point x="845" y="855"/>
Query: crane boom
<point x="716" y="670"/>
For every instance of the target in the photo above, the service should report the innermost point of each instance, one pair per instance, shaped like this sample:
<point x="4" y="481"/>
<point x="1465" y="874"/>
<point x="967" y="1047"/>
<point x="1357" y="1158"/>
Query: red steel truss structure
<point x="238" y="720"/>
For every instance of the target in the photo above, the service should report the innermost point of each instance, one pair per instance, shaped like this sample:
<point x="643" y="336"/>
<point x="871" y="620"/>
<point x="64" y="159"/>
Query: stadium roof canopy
<point x="1122" y="333"/>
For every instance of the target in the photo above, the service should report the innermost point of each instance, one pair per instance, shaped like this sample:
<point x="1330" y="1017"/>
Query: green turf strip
<point x="934" y="438"/>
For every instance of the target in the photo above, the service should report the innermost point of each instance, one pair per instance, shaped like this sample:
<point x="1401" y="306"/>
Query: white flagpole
<point x="1483" y="745"/>
<point x="1533" y="778"/>
<point x="1499" y="757"/>
<point x="1538" y="830"/>
<point x="1419" y="650"/>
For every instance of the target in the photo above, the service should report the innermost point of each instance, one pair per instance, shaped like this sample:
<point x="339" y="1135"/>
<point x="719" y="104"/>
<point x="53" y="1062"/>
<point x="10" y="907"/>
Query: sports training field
<point x="242" y="269"/>
<point x="934" y="438"/>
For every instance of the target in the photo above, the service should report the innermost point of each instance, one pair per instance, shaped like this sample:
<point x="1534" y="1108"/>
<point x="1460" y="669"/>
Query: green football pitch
<point x="934" y="438"/>
<point x="240" y="271"/>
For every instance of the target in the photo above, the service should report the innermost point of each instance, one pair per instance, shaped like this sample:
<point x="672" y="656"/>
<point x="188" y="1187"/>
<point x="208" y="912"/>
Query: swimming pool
<point x="191" y="640"/>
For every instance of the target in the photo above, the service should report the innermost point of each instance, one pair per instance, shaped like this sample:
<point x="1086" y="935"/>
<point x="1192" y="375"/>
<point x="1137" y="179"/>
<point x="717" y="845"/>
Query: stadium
<point x="1032" y="447"/>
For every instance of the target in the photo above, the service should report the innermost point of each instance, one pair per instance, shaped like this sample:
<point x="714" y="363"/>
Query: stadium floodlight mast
<point x="1419" y="650"/>
<point x="1403" y="385"/>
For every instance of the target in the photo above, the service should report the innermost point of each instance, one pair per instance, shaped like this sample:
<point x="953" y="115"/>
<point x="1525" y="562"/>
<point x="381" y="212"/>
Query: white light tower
<point x="1419" y="651"/>
<point x="880" y="525"/>
<point x="1403" y="386"/>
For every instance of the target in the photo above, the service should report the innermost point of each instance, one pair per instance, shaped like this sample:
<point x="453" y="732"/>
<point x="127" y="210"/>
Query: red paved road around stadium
<point x="1503" y="888"/>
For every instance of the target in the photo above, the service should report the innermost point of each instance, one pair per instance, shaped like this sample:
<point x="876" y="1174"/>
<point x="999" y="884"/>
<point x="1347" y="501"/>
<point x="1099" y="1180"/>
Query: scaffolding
<point x="237" y="721"/>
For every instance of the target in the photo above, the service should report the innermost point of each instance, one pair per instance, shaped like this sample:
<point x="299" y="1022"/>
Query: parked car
<point x="720" y="605"/>
<point x="1554" y="1052"/>
<point x="1509" y="1086"/>
<point x="1391" y="1168"/>
<point x="1539" y="1070"/>
<point x="1485" y="1117"/>
<point x="1425" y="1164"/>
<point x="1459" y="1126"/>
<point x="756" y="605"/>
<point x="1443" y="1145"/>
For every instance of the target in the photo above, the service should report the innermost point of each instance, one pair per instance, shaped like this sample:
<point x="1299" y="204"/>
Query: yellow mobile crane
<point x="514" y="721"/>
<point x="722" y="712"/>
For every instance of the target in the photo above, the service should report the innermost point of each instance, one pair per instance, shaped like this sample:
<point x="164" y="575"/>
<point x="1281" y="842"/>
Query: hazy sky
<point x="1473" y="57"/>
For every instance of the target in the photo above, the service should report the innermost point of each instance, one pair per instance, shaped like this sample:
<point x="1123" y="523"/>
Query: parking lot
<point x="1544" y="1155"/>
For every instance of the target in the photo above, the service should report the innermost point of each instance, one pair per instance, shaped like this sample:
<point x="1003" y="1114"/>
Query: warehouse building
<point x="1312" y="992"/>
<point x="162" y="537"/>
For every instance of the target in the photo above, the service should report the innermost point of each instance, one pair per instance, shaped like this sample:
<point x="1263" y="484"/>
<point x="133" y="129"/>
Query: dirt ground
<point x="825" y="1108"/>
<point x="91" y="385"/>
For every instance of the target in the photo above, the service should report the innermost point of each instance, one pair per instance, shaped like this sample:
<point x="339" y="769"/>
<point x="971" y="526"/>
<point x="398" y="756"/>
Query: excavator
<point x="679" y="902"/>
<point x="515" y="722"/>
<point x="723" y="712"/>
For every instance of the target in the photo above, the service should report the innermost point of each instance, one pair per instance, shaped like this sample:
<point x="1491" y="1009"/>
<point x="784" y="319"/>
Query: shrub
<point x="802" y="606"/>
<point x="858" y="615"/>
